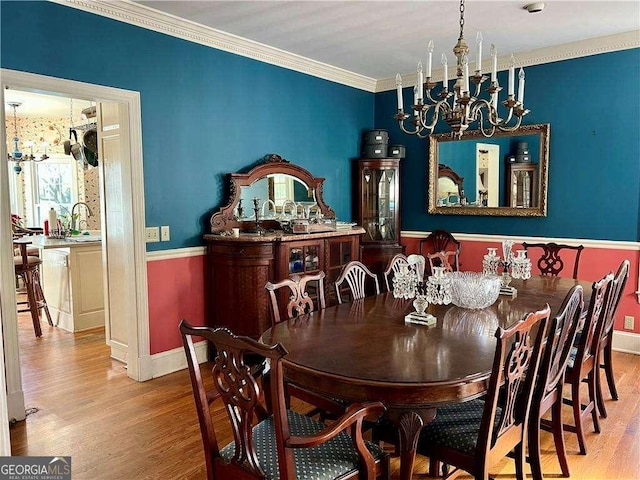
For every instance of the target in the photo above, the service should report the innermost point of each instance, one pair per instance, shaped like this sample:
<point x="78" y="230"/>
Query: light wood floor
<point x="117" y="429"/>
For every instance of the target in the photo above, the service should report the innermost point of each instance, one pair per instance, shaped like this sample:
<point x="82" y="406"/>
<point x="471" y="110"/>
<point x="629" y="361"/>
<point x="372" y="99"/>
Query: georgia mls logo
<point x="59" y="466"/>
<point x="35" y="468"/>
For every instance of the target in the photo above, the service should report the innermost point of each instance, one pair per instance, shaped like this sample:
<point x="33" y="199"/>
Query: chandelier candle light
<point x="465" y="107"/>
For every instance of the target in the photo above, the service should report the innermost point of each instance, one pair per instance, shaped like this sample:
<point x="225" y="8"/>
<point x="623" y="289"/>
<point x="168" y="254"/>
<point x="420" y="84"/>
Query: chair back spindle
<point x="357" y="275"/>
<point x="299" y="300"/>
<point x="394" y="266"/>
<point x="550" y="262"/>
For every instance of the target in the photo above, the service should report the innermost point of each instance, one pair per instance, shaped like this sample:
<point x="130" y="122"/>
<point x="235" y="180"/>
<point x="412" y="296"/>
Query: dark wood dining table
<point x="364" y="351"/>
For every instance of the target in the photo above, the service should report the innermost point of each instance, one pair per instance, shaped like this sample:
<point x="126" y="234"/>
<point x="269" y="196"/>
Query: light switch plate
<point x="165" y="234"/>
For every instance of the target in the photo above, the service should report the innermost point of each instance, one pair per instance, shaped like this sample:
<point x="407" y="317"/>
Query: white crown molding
<point x="556" y="53"/>
<point x="145" y="17"/>
<point x="151" y="19"/>
<point x="587" y="243"/>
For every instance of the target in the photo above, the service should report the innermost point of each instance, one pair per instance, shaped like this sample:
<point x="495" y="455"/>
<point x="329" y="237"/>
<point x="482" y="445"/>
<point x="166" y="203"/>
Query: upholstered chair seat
<point x="326" y="461"/>
<point x="456" y="427"/>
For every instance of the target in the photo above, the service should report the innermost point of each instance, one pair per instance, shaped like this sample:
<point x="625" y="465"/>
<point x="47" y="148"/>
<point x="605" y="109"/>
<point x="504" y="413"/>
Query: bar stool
<point x="28" y="267"/>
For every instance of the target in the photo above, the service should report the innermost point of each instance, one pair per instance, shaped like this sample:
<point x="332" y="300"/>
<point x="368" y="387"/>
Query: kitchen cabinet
<point x="377" y="210"/>
<point x="72" y="281"/>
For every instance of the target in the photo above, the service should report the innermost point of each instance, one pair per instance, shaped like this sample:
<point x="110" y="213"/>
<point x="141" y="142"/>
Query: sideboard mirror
<point x="504" y="175"/>
<point x="278" y="188"/>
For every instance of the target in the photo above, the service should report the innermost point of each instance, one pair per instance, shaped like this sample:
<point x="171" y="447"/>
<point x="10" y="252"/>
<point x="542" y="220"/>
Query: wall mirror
<point x="505" y="175"/>
<point x="279" y="188"/>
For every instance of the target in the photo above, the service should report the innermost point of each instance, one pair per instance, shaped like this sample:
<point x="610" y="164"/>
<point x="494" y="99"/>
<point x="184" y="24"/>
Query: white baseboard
<point x="626" y="342"/>
<point x="175" y="360"/>
<point x="119" y="351"/>
<point x="16" y="406"/>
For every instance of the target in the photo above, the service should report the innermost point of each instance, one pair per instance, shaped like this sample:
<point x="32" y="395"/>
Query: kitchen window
<point x="42" y="185"/>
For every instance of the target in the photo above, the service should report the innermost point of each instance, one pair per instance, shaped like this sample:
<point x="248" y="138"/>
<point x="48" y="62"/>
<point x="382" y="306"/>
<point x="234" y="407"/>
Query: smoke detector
<point x="535" y="7"/>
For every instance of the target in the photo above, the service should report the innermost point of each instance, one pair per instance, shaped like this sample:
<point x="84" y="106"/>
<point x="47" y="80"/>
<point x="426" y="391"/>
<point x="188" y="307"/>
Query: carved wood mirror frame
<point x="272" y="164"/>
<point x="540" y="210"/>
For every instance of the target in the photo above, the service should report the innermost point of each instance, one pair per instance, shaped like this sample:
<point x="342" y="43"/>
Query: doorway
<point x="128" y="295"/>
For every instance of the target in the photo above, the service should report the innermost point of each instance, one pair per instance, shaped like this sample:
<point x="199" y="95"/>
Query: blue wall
<point x="593" y="107"/>
<point x="205" y="112"/>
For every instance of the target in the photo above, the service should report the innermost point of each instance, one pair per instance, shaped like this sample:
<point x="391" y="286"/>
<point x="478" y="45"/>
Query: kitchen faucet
<point x="73" y="218"/>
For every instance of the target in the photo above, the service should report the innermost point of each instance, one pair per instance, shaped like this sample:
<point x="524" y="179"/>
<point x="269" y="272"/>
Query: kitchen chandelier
<point x="465" y="108"/>
<point x="17" y="156"/>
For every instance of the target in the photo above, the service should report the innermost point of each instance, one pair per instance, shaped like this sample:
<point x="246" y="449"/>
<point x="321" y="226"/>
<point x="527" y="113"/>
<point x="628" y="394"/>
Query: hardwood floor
<point x="117" y="429"/>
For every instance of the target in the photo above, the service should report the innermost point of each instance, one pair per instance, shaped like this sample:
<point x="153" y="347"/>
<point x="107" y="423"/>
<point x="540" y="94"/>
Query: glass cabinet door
<point x="304" y="259"/>
<point x="379" y="204"/>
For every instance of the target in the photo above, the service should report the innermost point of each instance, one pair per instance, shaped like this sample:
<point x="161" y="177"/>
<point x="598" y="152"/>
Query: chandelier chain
<point x="462" y="105"/>
<point x="462" y="19"/>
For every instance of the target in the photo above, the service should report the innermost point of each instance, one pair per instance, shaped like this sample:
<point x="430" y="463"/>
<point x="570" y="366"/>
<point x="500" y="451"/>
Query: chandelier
<point x="17" y="156"/>
<point x="462" y="107"/>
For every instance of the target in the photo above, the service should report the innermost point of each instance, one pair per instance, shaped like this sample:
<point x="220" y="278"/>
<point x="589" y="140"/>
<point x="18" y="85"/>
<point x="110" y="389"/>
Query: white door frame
<point x="139" y="360"/>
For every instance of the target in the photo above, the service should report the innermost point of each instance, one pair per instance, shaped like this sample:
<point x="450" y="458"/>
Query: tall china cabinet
<point x="377" y="206"/>
<point x="283" y="198"/>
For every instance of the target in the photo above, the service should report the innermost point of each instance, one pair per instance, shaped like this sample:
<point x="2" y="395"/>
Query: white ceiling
<point x="381" y="38"/>
<point x="375" y="39"/>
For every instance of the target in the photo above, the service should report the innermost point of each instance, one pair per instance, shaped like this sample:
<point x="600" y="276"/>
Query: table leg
<point x="409" y="427"/>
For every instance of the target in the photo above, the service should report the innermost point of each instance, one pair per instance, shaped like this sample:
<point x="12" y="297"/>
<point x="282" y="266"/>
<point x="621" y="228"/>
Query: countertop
<point x="40" y="241"/>
<point x="280" y="236"/>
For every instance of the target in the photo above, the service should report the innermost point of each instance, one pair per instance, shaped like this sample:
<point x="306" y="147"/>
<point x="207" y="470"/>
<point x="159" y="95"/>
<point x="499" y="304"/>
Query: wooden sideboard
<point x="239" y="267"/>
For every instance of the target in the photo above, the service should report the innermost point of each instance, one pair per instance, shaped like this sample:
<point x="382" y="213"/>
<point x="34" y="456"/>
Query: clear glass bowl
<point x="473" y="290"/>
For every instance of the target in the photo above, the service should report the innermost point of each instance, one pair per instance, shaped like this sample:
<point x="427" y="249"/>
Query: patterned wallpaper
<point x="54" y="131"/>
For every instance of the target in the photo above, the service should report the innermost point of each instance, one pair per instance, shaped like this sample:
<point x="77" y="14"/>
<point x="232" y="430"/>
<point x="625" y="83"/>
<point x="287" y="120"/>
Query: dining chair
<point x="605" y="357"/>
<point x="278" y="444"/>
<point x="550" y="262"/>
<point x="299" y="300"/>
<point x="547" y="394"/>
<point x="27" y="267"/>
<point x="441" y="259"/>
<point x="393" y="267"/>
<point x="358" y="278"/>
<point x="300" y="303"/>
<point x="476" y="434"/>
<point x="583" y="362"/>
<point x="440" y="241"/>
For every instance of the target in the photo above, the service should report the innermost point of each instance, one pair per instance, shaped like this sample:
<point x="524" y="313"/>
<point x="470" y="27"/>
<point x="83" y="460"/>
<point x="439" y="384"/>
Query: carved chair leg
<point x="434" y="467"/>
<point x="534" y="446"/>
<point x="577" y="416"/>
<point x="608" y="368"/>
<point x="591" y="381"/>
<point x="520" y="459"/>
<point x="602" y="409"/>
<point x="33" y="303"/>
<point x="42" y="302"/>
<point x="558" y="436"/>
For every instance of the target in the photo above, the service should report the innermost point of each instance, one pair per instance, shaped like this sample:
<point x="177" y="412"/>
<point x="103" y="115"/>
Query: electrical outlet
<point x="629" y="322"/>
<point x="153" y="234"/>
<point x="165" y="234"/>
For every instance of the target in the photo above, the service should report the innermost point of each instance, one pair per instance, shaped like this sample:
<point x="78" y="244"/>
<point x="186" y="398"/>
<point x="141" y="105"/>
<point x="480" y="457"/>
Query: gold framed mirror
<point x="504" y="175"/>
